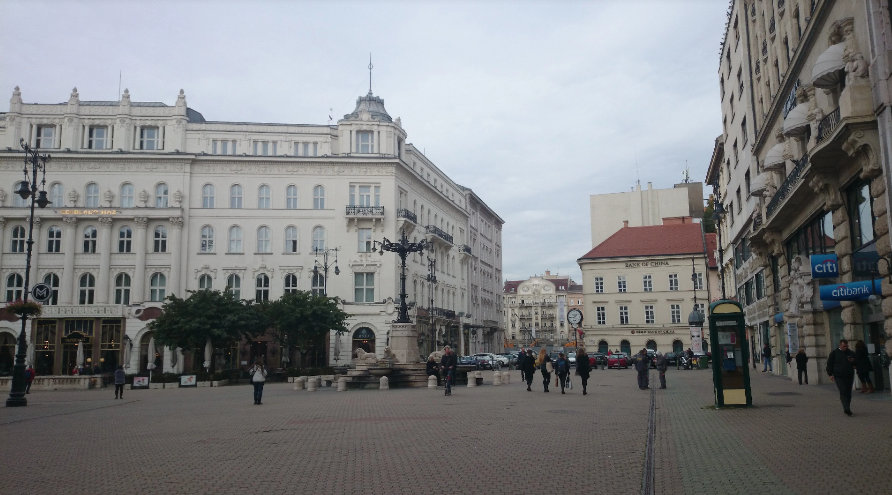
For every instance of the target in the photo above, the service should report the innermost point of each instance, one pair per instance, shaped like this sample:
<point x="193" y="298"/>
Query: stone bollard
<point x="506" y="378"/>
<point x="342" y="384"/>
<point x="385" y="383"/>
<point x="478" y="377"/>
<point x="299" y="382"/>
<point x="472" y="379"/>
<point x="432" y="381"/>
<point x="318" y="379"/>
<point x="311" y="384"/>
<point x="496" y="378"/>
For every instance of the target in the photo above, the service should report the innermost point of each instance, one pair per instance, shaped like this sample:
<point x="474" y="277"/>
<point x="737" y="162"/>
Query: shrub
<point x="170" y="378"/>
<point x="202" y="376"/>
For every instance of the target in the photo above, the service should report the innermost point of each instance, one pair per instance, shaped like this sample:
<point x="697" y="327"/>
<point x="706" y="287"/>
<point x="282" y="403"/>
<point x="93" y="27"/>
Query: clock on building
<point x="574" y="316"/>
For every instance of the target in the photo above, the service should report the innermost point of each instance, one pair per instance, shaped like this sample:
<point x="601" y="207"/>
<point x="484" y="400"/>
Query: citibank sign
<point x="824" y="266"/>
<point x="852" y="291"/>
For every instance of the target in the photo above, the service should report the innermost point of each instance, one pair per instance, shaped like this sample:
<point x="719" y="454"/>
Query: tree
<point x="207" y="314"/>
<point x="708" y="221"/>
<point x="302" y="319"/>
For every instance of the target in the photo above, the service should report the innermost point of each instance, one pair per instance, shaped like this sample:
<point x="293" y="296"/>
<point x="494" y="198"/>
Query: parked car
<point x="571" y="356"/>
<point x="597" y="359"/>
<point x="617" y="360"/>
<point x="504" y="359"/>
<point x="486" y="361"/>
<point x="671" y="358"/>
<point x="467" y="361"/>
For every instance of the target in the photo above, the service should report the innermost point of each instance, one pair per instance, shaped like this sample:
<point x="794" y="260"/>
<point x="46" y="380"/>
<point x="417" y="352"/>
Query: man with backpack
<point x="562" y="367"/>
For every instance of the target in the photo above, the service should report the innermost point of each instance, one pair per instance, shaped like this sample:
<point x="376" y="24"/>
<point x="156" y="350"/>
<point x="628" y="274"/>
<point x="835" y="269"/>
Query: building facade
<point x="536" y="309"/>
<point x="150" y="200"/>
<point x="640" y="284"/>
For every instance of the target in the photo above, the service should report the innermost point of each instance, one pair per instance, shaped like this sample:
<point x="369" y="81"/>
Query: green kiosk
<point x="730" y="354"/>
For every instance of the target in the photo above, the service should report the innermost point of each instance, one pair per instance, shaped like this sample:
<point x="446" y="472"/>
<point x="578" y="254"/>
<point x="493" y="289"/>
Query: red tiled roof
<point x="710" y="250"/>
<point x="650" y="241"/>
<point x="511" y="286"/>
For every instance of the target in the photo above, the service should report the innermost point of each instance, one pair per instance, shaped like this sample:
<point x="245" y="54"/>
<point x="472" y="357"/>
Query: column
<point x="34" y="253"/>
<point x="176" y="250"/>
<point x="67" y="286"/>
<point x="139" y="275"/>
<point x="105" y="246"/>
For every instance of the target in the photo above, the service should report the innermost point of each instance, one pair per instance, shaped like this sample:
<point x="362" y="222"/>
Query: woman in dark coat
<point x="863" y="367"/>
<point x="583" y="368"/>
<point x="546" y="367"/>
<point x="801" y="362"/>
<point x="528" y="365"/>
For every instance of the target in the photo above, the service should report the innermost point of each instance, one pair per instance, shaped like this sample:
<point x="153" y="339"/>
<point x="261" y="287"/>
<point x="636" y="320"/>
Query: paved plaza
<point x="479" y="440"/>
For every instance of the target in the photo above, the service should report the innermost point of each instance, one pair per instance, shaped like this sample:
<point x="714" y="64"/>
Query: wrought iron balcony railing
<point x="764" y="48"/>
<point x="408" y="215"/>
<point x="466" y="249"/>
<point x="771" y="26"/>
<point x="365" y="211"/>
<point x="758" y="67"/>
<point x="787" y="187"/>
<point x="431" y="229"/>
<point x="827" y="125"/>
<point x="790" y="104"/>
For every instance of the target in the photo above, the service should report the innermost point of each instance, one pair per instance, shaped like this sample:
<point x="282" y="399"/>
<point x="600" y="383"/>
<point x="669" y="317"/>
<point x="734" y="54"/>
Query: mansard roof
<point x="374" y="105"/>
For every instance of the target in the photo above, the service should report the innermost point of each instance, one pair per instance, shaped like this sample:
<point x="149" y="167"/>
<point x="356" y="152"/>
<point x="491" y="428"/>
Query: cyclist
<point x="447" y="365"/>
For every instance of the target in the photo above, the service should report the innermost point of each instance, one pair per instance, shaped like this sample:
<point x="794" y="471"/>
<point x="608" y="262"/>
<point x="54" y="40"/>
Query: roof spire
<point x="370" y="73"/>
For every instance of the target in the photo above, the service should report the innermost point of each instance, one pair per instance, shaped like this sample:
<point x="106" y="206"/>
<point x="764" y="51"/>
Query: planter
<point x="202" y="384"/>
<point x="220" y="383"/>
<point x="156" y="386"/>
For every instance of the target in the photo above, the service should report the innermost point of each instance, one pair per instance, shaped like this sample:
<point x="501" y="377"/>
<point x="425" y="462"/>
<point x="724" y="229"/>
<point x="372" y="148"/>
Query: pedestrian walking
<point x="841" y="368"/>
<point x="521" y="356"/>
<point x="562" y="366"/>
<point x="642" y="366"/>
<point x="528" y="366"/>
<point x="258" y="378"/>
<point x="662" y="366"/>
<point x="29" y="377"/>
<point x="863" y="367"/>
<point x="546" y="367"/>
<point x="447" y="366"/>
<point x="432" y="369"/>
<point x="120" y="380"/>
<point x="583" y="369"/>
<point x="801" y="362"/>
<point x="766" y="359"/>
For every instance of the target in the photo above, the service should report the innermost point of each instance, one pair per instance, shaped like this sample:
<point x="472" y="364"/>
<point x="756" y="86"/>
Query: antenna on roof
<point x="686" y="173"/>
<point x="370" y="73"/>
<point x="120" y="75"/>
<point x="637" y="175"/>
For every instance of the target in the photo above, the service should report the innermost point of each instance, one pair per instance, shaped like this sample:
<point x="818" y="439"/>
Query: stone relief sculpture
<point x="143" y="198"/>
<point x="177" y="198"/>
<point x="109" y="196"/>
<point x="2" y="197"/>
<point x="856" y="68"/>
<point x="72" y="197"/>
<point x="363" y="357"/>
<point x="801" y="290"/>
<point x="388" y="354"/>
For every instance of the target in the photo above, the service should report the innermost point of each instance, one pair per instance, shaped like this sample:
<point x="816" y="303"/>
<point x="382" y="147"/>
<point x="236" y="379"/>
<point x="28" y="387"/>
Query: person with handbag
<point x="583" y="369"/>
<point x="545" y="367"/>
<point x="258" y="378"/>
<point x="863" y="367"/>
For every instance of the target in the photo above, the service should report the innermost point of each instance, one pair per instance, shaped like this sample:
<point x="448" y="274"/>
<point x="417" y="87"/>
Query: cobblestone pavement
<point x="484" y="439"/>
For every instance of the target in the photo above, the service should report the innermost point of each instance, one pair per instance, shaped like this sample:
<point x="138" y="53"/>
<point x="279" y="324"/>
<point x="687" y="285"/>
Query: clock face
<point x="574" y="317"/>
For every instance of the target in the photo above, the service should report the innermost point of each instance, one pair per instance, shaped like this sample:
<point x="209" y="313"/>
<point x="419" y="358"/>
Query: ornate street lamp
<point x="27" y="189"/>
<point x="402" y="249"/>
<point x="325" y="266"/>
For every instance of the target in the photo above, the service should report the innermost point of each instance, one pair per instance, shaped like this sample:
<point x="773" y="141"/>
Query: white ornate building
<point x="150" y="199"/>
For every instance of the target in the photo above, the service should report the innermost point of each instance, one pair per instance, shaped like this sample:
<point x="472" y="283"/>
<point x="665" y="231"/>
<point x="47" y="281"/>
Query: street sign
<point x="41" y="292"/>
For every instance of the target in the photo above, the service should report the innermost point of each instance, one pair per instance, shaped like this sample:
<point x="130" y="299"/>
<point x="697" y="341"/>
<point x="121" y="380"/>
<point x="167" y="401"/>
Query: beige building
<point x="643" y="207"/>
<point x="640" y="286"/>
<point x="535" y="310"/>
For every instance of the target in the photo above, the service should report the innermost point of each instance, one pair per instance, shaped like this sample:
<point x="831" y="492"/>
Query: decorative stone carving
<point x="205" y="270"/>
<point x="856" y="68"/>
<point x="143" y="198"/>
<point x="389" y="355"/>
<point x="176" y="222"/>
<point x="862" y="146"/>
<point x="774" y="242"/>
<point x="141" y="222"/>
<point x="2" y="197"/>
<point x="70" y="221"/>
<point x="826" y="186"/>
<point x="105" y="222"/>
<point x="109" y="196"/>
<point x="177" y="198"/>
<point x="363" y="357"/>
<point x="72" y="197"/>
<point x="2" y="222"/>
<point x="801" y="289"/>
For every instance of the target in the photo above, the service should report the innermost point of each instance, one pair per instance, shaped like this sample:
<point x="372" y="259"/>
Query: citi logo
<point x="826" y="267"/>
<point x="843" y="291"/>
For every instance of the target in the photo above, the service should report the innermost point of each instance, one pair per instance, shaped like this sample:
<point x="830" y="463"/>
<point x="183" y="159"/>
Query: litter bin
<point x="704" y="362"/>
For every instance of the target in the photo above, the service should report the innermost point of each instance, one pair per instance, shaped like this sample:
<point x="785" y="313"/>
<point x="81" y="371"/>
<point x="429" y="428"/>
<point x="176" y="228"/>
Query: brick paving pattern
<point x="485" y="439"/>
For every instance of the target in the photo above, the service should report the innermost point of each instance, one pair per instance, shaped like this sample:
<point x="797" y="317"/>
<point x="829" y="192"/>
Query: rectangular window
<point x="739" y="202"/>
<point x="746" y="182"/>
<point x="760" y="285"/>
<point x="648" y="283"/>
<point x="676" y="313"/>
<point x="365" y="240"/>
<point x="861" y="214"/>
<point x="599" y="285"/>
<point x="149" y="138"/>
<point x="364" y="287"/>
<point x="45" y="135"/>
<point x="743" y="128"/>
<point x="223" y="147"/>
<point x="701" y="308"/>
<point x="673" y="281"/>
<point x="623" y="315"/>
<point x="265" y="148"/>
<point x="648" y="314"/>
<point x="621" y="283"/>
<point x="365" y="142"/>
<point x="601" y="312"/>
<point x="98" y="139"/>
<point x="306" y="149"/>
<point x="698" y="281"/>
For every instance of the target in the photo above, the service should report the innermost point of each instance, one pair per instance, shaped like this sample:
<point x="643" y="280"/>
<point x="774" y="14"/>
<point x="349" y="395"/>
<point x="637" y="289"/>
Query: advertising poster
<point x="697" y="340"/>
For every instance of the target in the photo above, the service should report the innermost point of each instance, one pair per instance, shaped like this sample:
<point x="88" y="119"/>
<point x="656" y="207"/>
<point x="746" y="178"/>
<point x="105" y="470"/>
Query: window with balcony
<point x="365" y="195"/>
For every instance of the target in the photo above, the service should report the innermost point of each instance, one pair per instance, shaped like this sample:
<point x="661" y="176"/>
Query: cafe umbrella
<point x="208" y="352"/>
<point x="151" y="358"/>
<point x="128" y="346"/>
<point x="80" y="355"/>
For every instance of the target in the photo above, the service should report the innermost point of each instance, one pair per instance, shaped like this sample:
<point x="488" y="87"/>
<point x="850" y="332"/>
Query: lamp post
<point x="325" y="266"/>
<point x="402" y="248"/>
<point x="27" y="189"/>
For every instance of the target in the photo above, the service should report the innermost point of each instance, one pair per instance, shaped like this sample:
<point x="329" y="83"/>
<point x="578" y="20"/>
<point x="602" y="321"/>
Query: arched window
<point x="125" y="240"/>
<point x="52" y="280"/>
<point x="235" y="196"/>
<point x="263" y="240"/>
<point x="624" y="346"/>
<point x="207" y="196"/>
<point x="90" y="235"/>
<point x="207" y="239"/>
<point x="318" y="239"/>
<point x="126" y="195"/>
<point x="18" y="239"/>
<point x="651" y="344"/>
<point x="161" y="199"/>
<point x="318" y="198"/>
<point x="261" y="288"/>
<point x="91" y="196"/>
<point x="235" y="239"/>
<point x="291" y="197"/>
<point x="290" y="283"/>
<point x="57" y="195"/>
<point x="677" y="346"/>
<point x="291" y="239"/>
<point x="15" y="287"/>
<point x="54" y="240"/>
<point x="122" y="289"/>
<point x="87" y="289"/>
<point x="205" y="282"/>
<point x="234" y="283"/>
<point x="264" y="198"/>
<point x="18" y="201"/>
<point x="160" y="239"/>
<point x="158" y="287"/>
<point x="317" y="286"/>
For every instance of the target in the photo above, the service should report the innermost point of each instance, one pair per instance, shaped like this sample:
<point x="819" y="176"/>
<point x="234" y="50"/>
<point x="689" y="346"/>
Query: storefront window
<point x="815" y="237"/>
<point x="45" y="347"/>
<point x="110" y="347"/>
<point x="860" y="209"/>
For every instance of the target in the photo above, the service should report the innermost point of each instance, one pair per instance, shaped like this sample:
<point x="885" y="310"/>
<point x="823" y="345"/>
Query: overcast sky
<point x="534" y="105"/>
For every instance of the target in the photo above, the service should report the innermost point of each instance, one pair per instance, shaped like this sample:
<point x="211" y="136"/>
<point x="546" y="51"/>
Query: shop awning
<point x="796" y="123"/>
<point x="825" y="73"/>
<point x="774" y="160"/>
<point x="759" y="185"/>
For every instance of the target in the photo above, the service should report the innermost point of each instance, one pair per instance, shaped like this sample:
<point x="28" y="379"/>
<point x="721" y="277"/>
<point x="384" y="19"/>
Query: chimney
<point x="547" y="272"/>
<point x="625" y="224"/>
